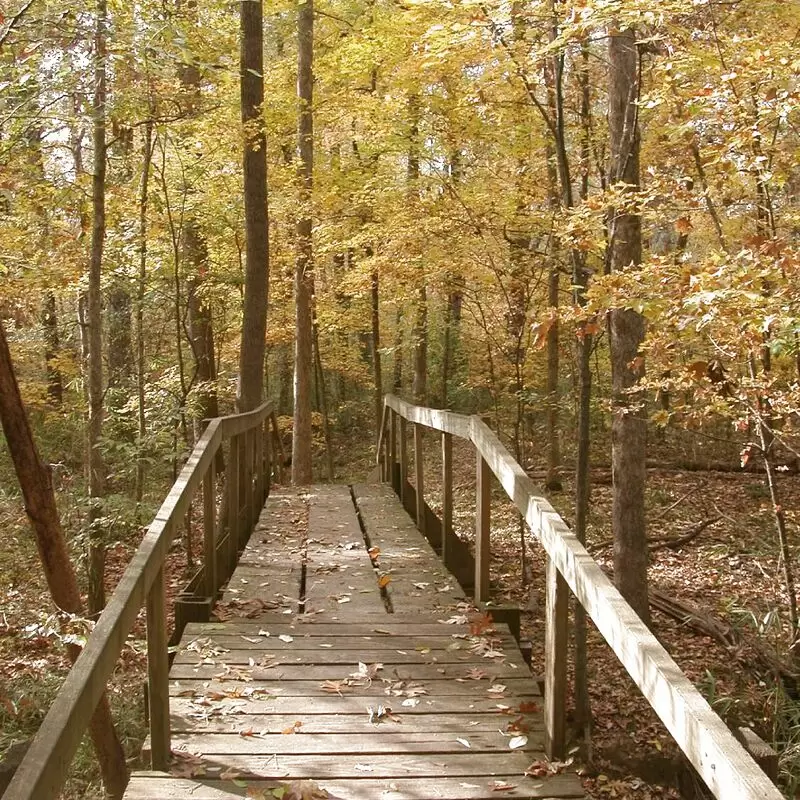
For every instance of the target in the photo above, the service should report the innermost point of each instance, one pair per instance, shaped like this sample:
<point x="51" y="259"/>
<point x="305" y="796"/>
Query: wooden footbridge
<point x="356" y="653"/>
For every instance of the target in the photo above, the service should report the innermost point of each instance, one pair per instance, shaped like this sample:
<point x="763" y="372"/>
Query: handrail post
<point x="385" y="466"/>
<point x="233" y="504"/>
<point x="447" y="491"/>
<point x="393" y="449"/>
<point x="419" y="477"/>
<point x="158" y="674"/>
<point x="268" y="455"/>
<point x="555" y="662"/>
<point x="210" y="532"/>
<point x="482" y="528"/>
<point x="244" y="493"/>
<point x="258" y="460"/>
<point x="278" y="449"/>
<point x="403" y="459"/>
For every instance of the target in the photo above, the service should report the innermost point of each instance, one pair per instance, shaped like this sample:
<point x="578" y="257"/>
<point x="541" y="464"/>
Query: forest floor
<point x="731" y="569"/>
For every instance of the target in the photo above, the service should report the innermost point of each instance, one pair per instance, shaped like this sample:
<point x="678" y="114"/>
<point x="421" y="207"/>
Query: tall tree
<point x="304" y="264"/>
<point x="94" y="320"/>
<point x="629" y="427"/>
<point x="256" y="281"/>
<point x="419" y="385"/>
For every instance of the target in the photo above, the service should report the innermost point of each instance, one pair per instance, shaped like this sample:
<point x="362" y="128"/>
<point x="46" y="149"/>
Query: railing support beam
<point x="482" y="529"/>
<point x="419" y="477"/>
<point x="447" y="492"/>
<point x="555" y="662"/>
<point x="158" y="674"/>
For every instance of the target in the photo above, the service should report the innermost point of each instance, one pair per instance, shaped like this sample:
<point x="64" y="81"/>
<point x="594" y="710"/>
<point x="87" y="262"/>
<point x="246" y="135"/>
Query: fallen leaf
<point x="517" y="741"/>
<point x="284" y="637"/>
<point x="464" y="742"/>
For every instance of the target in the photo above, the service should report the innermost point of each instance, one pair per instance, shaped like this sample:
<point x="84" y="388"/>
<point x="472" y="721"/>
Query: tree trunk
<point x="629" y="430"/>
<point x="377" y="377"/>
<point x="119" y="335"/>
<point x="40" y="505"/>
<point x="256" y="282"/>
<point x="94" y="320"/>
<point x="397" y="366"/>
<point x="141" y="285"/>
<point x="304" y="265"/>
<point x="583" y="353"/>
<point x="420" y="382"/>
<point x="555" y="102"/>
<point x="52" y="345"/>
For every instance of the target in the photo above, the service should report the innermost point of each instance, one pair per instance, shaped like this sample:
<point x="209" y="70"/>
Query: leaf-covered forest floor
<point x="730" y="569"/>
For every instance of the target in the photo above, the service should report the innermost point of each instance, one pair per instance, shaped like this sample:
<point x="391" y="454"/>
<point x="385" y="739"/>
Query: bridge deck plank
<point x="266" y="697"/>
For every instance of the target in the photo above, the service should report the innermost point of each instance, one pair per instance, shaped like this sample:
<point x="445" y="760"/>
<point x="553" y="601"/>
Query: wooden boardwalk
<point x="348" y="662"/>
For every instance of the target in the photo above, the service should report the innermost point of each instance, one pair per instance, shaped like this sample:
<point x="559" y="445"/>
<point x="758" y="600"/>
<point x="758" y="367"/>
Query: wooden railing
<point x="248" y="467"/>
<point x="727" y="768"/>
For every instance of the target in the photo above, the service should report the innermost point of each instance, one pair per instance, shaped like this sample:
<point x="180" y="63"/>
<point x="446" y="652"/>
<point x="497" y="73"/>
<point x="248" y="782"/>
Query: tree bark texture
<point x="256" y="282"/>
<point x="377" y="376"/>
<point x="141" y="285"/>
<point x="120" y="353"/>
<point x="94" y="321"/>
<point x="52" y="346"/>
<point x="304" y="265"/>
<point x="629" y="430"/>
<point x="195" y="259"/>
<point x="40" y="505"/>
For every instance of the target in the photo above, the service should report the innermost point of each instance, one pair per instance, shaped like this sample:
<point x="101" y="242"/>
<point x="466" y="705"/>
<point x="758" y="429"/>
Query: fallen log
<point x="745" y="649"/>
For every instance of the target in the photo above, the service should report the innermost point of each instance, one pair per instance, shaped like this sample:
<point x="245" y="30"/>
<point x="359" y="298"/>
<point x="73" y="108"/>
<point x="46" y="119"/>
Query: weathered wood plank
<point x="475" y="705"/>
<point x="193" y="686"/>
<point x="379" y="766"/>
<point x="303" y="641"/>
<point x="344" y="744"/>
<point x="445" y="421"/>
<point x="349" y="658"/>
<point x="559" y="786"/>
<point x="400" y="722"/>
<point x="289" y="671"/>
<point x="379" y="627"/>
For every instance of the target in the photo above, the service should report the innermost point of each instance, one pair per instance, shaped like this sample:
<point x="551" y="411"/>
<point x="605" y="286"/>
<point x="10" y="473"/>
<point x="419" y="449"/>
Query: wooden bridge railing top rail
<point x="727" y="768"/>
<point x="247" y="467"/>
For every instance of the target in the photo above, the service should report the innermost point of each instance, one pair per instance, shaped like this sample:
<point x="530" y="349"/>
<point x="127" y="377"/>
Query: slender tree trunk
<point x="40" y="504"/>
<point x="419" y="383"/>
<point x="629" y="429"/>
<point x="119" y="335"/>
<point x="377" y="377"/>
<point x="256" y="282"/>
<point x="52" y="346"/>
<point x="195" y="259"/>
<point x="304" y="266"/>
<point x="397" y="366"/>
<point x="94" y="319"/>
<point x="554" y="102"/>
<point x="583" y="352"/>
<point x="141" y="286"/>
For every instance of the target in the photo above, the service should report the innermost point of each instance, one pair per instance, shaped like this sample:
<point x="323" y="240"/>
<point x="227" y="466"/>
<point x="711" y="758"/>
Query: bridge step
<point x="348" y="657"/>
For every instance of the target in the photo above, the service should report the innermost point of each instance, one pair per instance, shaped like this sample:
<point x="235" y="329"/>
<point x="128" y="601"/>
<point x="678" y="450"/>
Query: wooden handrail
<point x="727" y="768"/>
<point x="44" y="768"/>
